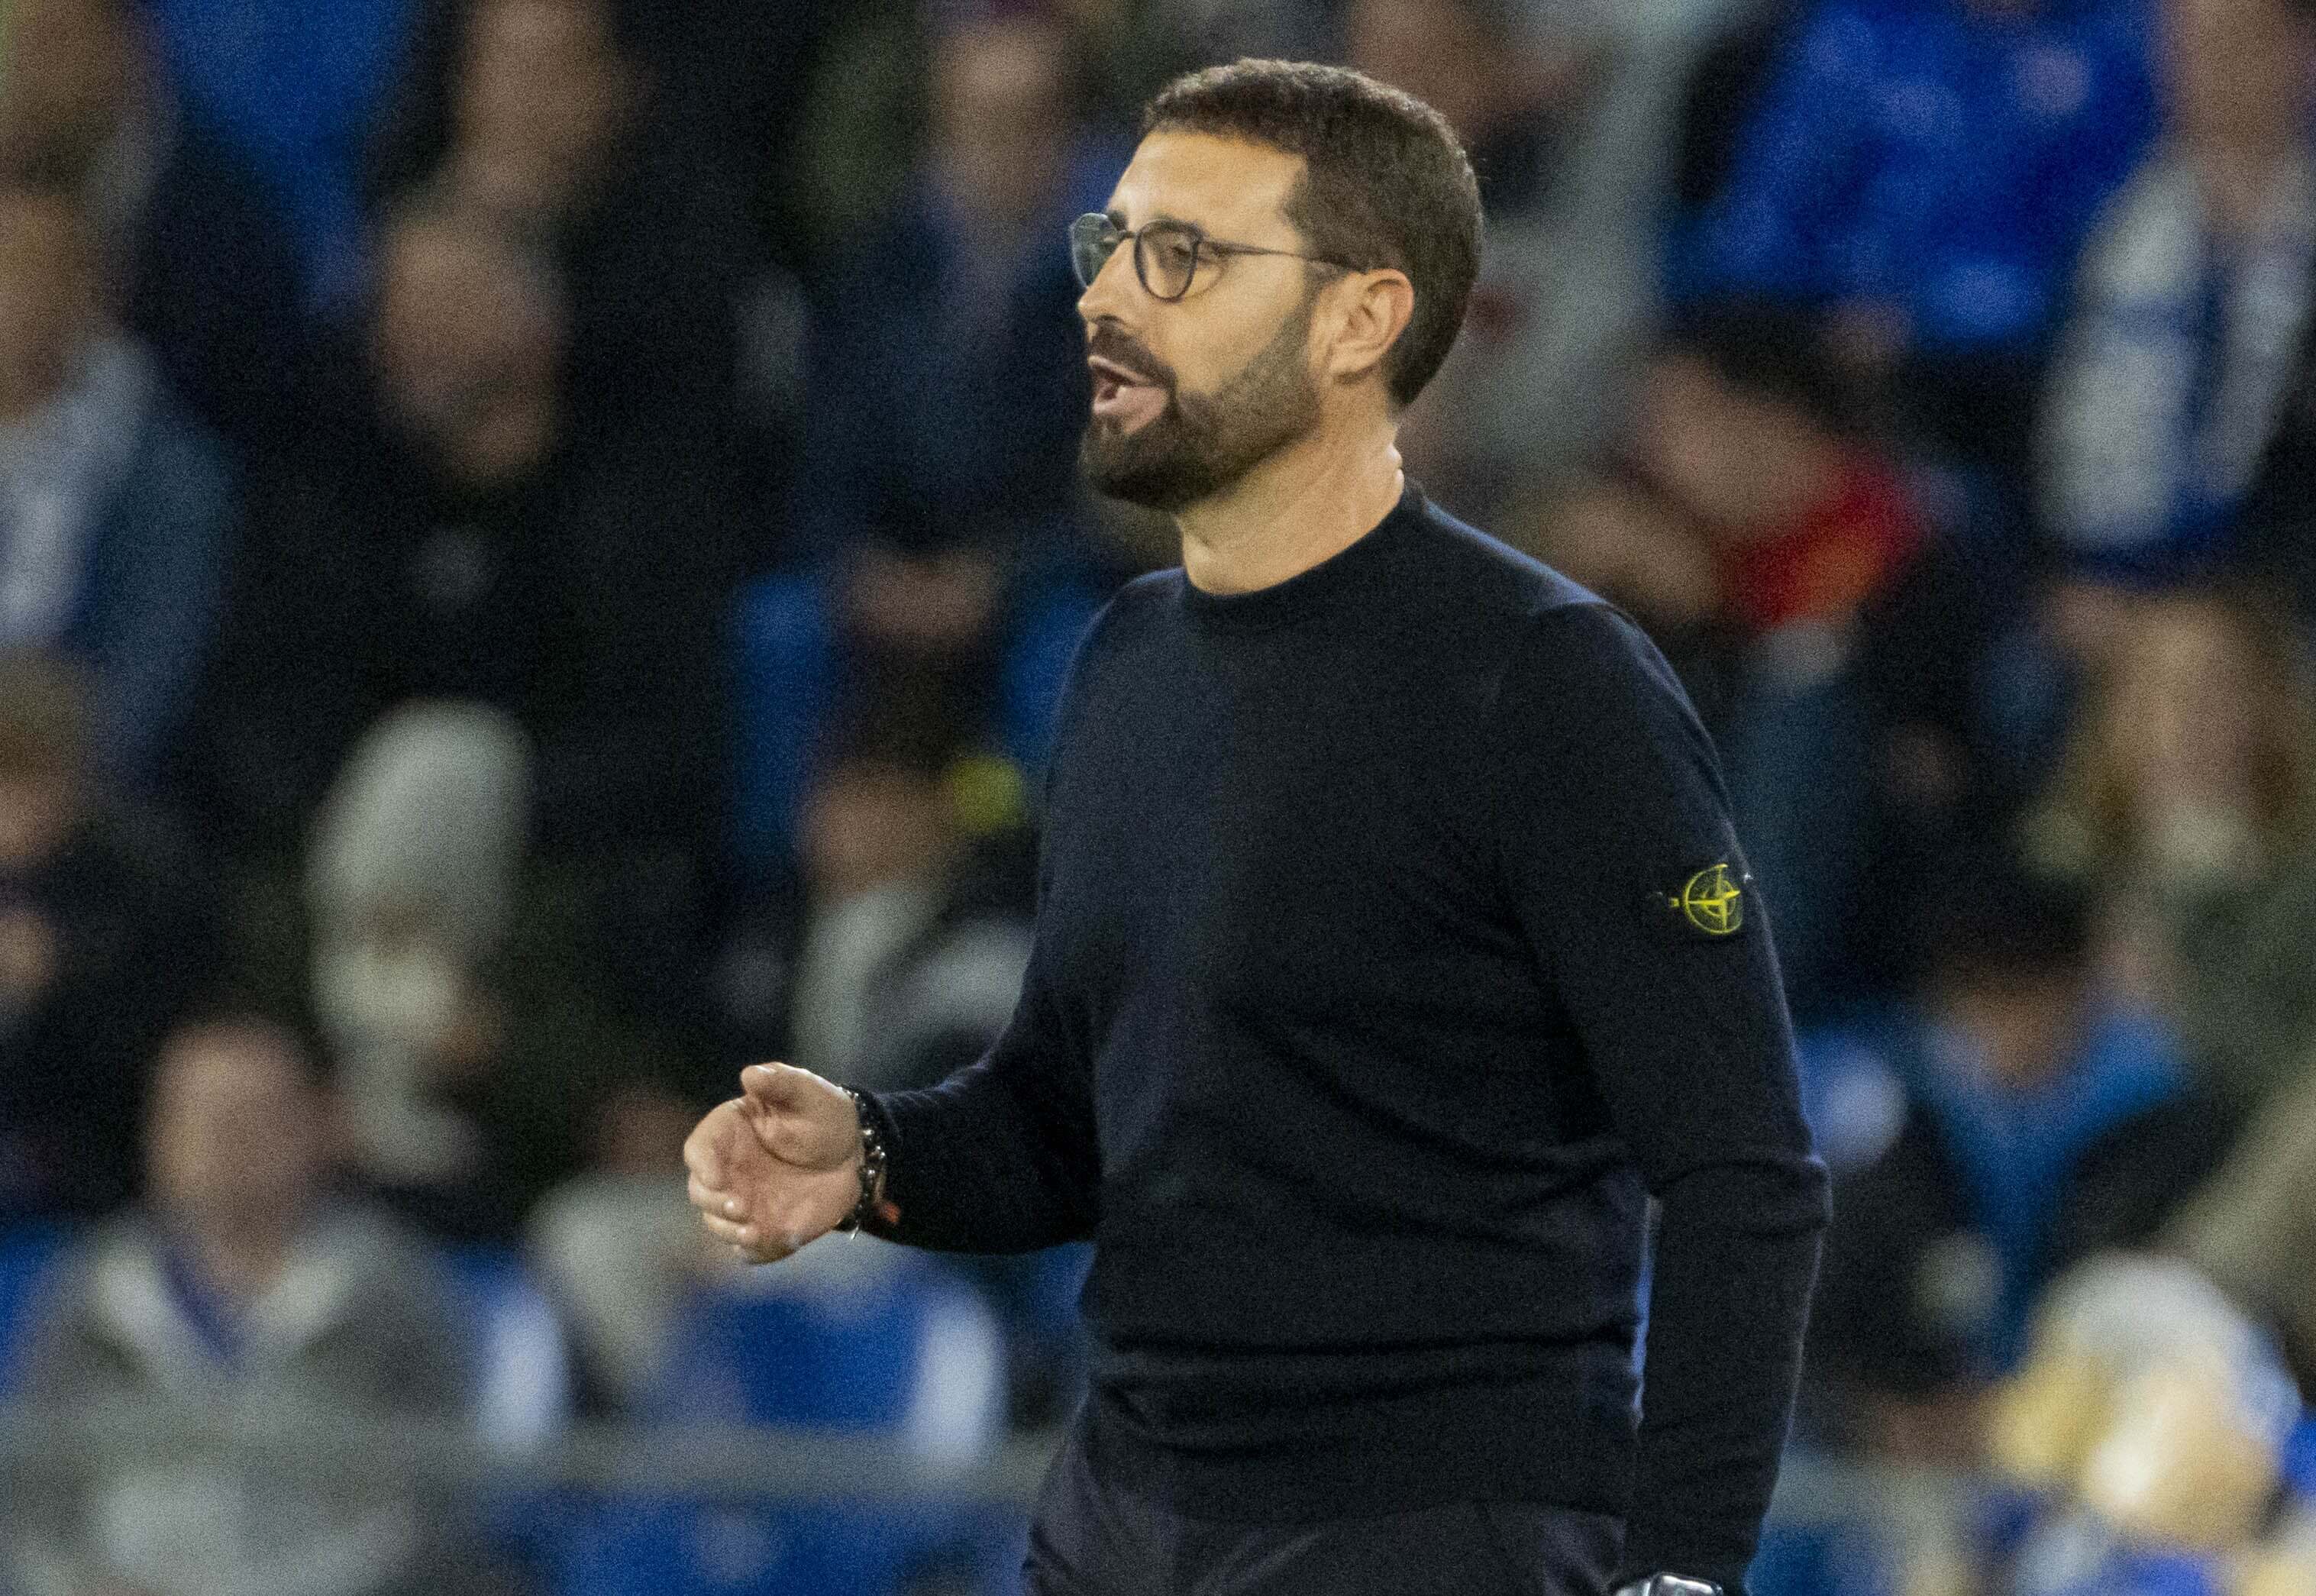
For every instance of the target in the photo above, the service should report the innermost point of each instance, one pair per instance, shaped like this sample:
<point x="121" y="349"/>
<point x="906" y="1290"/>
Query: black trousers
<point x="1090" y="1537"/>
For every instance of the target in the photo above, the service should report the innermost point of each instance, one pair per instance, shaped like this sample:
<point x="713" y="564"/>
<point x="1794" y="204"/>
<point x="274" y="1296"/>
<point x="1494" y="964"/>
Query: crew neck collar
<point x="1323" y="587"/>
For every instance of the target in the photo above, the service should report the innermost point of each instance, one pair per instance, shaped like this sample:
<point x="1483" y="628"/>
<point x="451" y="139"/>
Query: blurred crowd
<point x="538" y="543"/>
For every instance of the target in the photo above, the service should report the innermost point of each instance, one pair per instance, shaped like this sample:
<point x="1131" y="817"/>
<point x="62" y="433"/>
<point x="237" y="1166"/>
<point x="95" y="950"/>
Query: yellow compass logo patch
<point x="1711" y="902"/>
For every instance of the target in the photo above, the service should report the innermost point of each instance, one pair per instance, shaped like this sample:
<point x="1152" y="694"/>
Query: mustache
<point x="1121" y="348"/>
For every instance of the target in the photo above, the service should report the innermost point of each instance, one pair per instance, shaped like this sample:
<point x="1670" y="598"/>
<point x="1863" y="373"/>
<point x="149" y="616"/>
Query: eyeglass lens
<point x="1092" y="241"/>
<point x="1165" y="255"/>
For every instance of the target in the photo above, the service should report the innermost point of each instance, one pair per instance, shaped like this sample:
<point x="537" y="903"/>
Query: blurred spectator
<point x="735" y="82"/>
<point x="922" y="619"/>
<point x="859" y="127"/>
<point x="940" y="506"/>
<point x="416" y="859"/>
<point x="2150" y="1419"/>
<point x="2041" y="1120"/>
<point x="616" y="1245"/>
<point x="855" y="1338"/>
<point x="1922" y="175"/>
<point x="2188" y="799"/>
<point x="470" y="1034"/>
<point x="2251" y="1228"/>
<point x="721" y="86"/>
<point x="470" y="548"/>
<point x="636" y="1274"/>
<point x="2190" y="304"/>
<point x="241" y="1285"/>
<point x="539" y="113"/>
<point x="293" y="88"/>
<point x="542" y="98"/>
<point x="115" y="510"/>
<point x="889" y="951"/>
<point x="1752" y="529"/>
<point x="2275" y="540"/>
<point x="1723" y="86"/>
<point x="908" y="949"/>
<point x="103" y="936"/>
<point x="200" y="266"/>
<point x="947" y="366"/>
<point x="1569" y="128"/>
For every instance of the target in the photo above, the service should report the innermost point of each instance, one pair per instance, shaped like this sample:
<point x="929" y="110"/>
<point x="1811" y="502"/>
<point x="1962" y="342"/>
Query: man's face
<point x="467" y="348"/>
<point x="2025" y="1026"/>
<point x="47" y="297"/>
<point x="542" y="88"/>
<point x="236" y="1134"/>
<point x="1192" y="394"/>
<point x="1000" y="117"/>
<point x="69" y="69"/>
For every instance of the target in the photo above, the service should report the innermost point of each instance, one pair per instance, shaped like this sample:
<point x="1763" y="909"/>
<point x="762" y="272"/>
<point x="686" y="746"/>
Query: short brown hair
<point x="1386" y="183"/>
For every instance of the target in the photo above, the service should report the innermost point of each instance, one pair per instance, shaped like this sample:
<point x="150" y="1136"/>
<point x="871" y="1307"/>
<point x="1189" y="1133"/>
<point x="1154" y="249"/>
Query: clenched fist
<point x="777" y="1166"/>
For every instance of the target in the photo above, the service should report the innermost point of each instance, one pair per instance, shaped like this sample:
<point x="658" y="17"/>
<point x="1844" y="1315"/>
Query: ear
<point x="1372" y="310"/>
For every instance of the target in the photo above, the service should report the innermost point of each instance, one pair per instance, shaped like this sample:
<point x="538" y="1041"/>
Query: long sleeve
<point x="1002" y="1156"/>
<point x="1619" y="854"/>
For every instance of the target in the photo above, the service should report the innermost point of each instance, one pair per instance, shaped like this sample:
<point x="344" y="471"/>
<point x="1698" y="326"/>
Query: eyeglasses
<point x="1166" y="254"/>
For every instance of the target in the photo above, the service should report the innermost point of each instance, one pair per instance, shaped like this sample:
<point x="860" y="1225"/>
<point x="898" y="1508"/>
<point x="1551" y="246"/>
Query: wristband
<point x="873" y="1203"/>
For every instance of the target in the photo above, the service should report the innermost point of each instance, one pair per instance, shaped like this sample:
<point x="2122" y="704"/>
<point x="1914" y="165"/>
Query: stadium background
<point x="540" y="537"/>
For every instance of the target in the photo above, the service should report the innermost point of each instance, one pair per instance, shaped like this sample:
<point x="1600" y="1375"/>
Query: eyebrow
<point x="1117" y="220"/>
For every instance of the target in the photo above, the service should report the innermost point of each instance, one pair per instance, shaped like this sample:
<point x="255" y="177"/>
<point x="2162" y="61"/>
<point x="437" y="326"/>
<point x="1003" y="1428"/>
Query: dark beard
<point x="1201" y="444"/>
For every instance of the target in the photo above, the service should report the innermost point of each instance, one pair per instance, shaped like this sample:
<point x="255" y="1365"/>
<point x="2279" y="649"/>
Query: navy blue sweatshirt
<point x="1392" y="948"/>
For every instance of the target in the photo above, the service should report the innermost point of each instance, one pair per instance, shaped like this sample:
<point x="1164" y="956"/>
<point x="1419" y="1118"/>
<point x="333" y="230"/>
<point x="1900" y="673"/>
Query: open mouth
<point x="1123" y="396"/>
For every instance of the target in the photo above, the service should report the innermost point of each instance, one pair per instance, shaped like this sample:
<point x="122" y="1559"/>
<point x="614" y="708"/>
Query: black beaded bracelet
<point x="872" y="1203"/>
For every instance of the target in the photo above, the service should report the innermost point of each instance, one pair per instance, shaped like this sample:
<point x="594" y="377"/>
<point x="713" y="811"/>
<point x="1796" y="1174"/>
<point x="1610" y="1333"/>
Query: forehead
<point x="236" y="1065"/>
<point x="1226" y="187"/>
<point x="536" y="24"/>
<point x="1017" y="57"/>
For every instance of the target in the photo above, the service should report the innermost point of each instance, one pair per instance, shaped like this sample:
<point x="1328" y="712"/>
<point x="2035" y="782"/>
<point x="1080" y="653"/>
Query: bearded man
<point x="1393" y="951"/>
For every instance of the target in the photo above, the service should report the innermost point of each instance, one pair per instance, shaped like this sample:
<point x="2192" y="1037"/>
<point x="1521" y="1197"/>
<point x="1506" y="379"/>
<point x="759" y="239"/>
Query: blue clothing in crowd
<point x="154" y="583"/>
<point x="1932" y="158"/>
<point x="296" y="87"/>
<point x="2176" y="370"/>
<point x="2016" y="1148"/>
<point x="116" y="516"/>
<point x="1897" y="1100"/>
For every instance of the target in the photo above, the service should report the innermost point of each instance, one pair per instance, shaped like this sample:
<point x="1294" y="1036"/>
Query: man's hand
<point x="778" y="1165"/>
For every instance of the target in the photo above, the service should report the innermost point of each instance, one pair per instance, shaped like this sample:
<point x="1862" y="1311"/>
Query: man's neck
<point x="1305" y="505"/>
